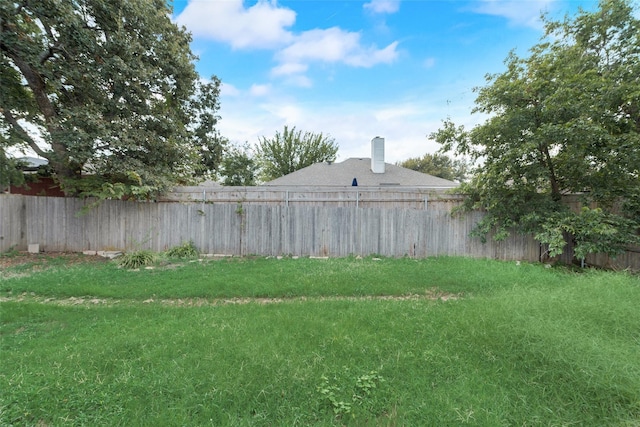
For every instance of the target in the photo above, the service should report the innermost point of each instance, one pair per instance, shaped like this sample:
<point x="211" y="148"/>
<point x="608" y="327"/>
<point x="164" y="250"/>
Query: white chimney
<point x="377" y="155"/>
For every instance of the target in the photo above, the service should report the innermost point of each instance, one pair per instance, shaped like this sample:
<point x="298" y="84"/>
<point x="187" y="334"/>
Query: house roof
<point x="32" y="163"/>
<point x="342" y="174"/>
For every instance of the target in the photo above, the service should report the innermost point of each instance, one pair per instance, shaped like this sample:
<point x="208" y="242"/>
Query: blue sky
<point x="357" y="69"/>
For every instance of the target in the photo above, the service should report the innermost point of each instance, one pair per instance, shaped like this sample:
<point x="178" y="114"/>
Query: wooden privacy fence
<point x="238" y="229"/>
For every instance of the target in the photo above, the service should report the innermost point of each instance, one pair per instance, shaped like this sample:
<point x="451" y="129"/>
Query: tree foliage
<point x="439" y="165"/>
<point x="292" y="150"/>
<point x="9" y="171"/>
<point x="565" y="120"/>
<point x="239" y="167"/>
<point x="106" y="88"/>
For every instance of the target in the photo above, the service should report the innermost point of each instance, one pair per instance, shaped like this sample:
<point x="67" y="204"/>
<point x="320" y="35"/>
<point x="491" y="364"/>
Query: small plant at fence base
<point x="185" y="250"/>
<point x="352" y="400"/>
<point x="136" y="259"/>
<point x="9" y="253"/>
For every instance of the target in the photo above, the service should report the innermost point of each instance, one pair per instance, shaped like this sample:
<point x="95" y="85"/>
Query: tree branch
<point x="44" y="56"/>
<point x="35" y="82"/>
<point x="23" y="133"/>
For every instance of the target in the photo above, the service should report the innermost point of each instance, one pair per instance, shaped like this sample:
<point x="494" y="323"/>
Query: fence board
<point x="12" y="223"/>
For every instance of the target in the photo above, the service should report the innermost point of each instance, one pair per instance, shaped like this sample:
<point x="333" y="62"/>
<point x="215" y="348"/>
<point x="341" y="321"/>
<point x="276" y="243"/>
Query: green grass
<point x="521" y="345"/>
<point x="260" y="277"/>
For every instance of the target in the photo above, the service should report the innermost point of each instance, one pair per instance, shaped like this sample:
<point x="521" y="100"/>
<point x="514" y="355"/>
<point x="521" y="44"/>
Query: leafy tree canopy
<point x="106" y="88"/>
<point x="565" y="120"/>
<point x="439" y="165"/>
<point x="239" y="167"/>
<point x="292" y="150"/>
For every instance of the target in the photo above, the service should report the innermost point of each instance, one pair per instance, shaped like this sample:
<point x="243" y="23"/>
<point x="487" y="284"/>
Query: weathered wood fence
<point x="56" y="224"/>
<point x="236" y="229"/>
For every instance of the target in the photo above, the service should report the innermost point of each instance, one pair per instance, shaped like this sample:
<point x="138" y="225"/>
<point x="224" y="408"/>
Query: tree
<point x="292" y="150"/>
<point x="439" y="165"/>
<point x="10" y="173"/>
<point x="239" y="167"/>
<point x="108" y="89"/>
<point x="565" y="120"/>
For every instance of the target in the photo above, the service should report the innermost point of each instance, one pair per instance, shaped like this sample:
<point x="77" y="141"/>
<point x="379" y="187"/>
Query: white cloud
<point x="395" y="112"/>
<point x="330" y="45"/>
<point x="373" y="56"/>
<point x="335" y="45"/>
<point x="520" y="13"/>
<point x="298" y="80"/>
<point x="289" y="114"/>
<point x="289" y="68"/>
<point x="229" y="90"/>
<point x="262" y="25"/>
<point x="382" y="6"/>
<point x="260" y="90"/>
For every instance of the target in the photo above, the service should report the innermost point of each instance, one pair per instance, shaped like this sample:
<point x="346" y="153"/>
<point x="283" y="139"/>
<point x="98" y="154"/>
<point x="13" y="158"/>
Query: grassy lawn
<point x="284" y="342"/>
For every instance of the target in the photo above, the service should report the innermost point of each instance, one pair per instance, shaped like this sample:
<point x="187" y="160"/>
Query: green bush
<point x="136" y="259"/>
<point x="185" y="250"/>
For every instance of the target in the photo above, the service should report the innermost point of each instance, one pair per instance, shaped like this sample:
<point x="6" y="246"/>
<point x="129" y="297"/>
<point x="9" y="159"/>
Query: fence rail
<point x="362" y="197"/>
<point x="244" y="229"/>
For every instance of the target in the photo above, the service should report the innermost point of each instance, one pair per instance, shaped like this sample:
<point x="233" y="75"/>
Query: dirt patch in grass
<point x="24" y="264"/>
<point x="431" y="295"/>
<point x="44" y="260"/>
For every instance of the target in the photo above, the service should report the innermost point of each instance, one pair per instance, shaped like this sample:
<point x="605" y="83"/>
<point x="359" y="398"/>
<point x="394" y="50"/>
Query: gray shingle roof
<point x="33" y="163"/>
<point x="342" y="174"/>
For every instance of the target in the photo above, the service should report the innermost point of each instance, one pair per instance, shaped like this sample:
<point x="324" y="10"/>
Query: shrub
<point x="185" y="250"/>
<point x="136" y="259"/>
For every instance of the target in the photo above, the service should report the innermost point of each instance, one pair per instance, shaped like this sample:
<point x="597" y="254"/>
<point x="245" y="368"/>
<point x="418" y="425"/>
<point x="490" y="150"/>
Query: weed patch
<point x="186" y="250"/>
<point x="353" y="396"/>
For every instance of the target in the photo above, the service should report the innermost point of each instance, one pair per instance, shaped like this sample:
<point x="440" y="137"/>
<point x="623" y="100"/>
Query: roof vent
<point x="377" y="155"/>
